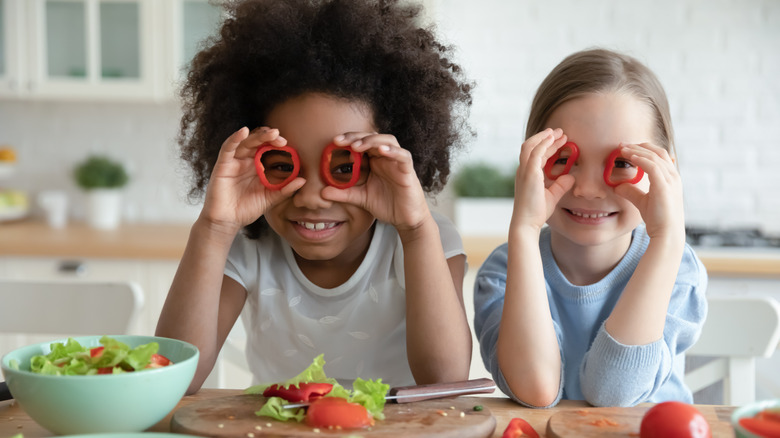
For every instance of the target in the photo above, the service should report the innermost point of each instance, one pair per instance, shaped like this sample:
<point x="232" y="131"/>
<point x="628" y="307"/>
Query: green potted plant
<point x="102" y="179"/>
<point x="484" y="199"/>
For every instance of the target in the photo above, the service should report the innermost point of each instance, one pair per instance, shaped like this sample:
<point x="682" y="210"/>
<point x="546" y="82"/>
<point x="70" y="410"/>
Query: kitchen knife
<point x="408" y="394"/>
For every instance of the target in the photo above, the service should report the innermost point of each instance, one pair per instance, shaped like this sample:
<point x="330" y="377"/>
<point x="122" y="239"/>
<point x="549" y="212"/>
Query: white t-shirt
<point x="360" y="325"/>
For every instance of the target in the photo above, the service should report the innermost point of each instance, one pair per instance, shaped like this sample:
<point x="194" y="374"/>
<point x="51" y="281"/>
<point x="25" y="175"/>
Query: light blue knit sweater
<point x="595" y="367"/>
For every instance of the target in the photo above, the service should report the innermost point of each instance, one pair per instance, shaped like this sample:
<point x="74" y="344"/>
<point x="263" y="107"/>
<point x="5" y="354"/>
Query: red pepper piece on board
<point x="760" y="426"/>
<point x="288" y="174"/>
<point x="610" y="167"/>
<point x="326" y="171"/>
<point x="298" y="393"/>
<point x="518" y="427"/>
<point x="575" y="153"/>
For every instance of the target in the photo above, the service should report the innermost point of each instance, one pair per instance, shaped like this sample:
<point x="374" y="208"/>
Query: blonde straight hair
<point x="602" y="71"/>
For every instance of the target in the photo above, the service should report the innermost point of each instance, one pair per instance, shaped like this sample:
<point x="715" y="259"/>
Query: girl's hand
<point x="234" y="196"/>
<point x="661" y="206"/>
<point x="535" y="203"/>
<point x="392" y="192"/>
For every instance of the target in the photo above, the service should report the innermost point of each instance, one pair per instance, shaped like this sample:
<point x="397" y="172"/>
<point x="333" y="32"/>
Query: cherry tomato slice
<point x="673" y="419"/>
<point x="298" y="393"/>
<point x="96" y="352"/>
<point x="552" y="170"/>
<point x="158" y="361"/>
<point x="518" y="427"/>
<point x="336" y="412"/>
<point x="327" y="172"/>
<point x="283" y="174"/>
<point x="609" y="169"/>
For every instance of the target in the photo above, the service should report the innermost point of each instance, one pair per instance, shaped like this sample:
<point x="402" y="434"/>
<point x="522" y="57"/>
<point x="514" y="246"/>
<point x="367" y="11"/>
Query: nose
<point x="310" y="195"/>
<point x="588" y="182"/>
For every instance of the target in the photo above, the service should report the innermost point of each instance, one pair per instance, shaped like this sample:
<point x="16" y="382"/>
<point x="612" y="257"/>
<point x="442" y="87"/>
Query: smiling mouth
<point x="589" y="215"/>
<point x="317" y="226"/>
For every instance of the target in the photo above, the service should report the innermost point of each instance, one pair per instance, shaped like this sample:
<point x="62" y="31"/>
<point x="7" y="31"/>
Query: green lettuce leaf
<point x="273" y="408"/>
<point x="71" y="358"/>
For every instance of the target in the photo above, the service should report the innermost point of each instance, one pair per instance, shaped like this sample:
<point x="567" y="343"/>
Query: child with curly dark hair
<point x="318" y="127"/>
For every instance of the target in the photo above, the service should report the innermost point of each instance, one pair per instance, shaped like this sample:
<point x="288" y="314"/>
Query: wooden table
<point x="13" y="420"/>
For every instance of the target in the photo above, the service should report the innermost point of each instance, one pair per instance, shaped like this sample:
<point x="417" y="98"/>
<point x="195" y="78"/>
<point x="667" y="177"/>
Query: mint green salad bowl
<point x="108" y="403"/>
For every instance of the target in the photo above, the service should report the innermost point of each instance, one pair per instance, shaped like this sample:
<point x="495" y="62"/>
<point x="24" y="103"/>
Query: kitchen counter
<point x="727" y="262"/>
<point x="13" y="420"/>
<point x="129" y="241"/>
<point x="167" y="241"/>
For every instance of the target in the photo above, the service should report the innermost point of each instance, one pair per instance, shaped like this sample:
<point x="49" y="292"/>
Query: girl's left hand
<point x="661" y="206"/>
<point x="392" y="192"/>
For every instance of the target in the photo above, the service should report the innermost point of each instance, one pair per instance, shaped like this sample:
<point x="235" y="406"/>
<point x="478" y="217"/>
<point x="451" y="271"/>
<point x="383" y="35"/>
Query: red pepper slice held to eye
<point x="575" y="153"/>
<point x="325" y="170"/>
<point x="610" y="166"/>
<point x="518" y="427"/>
<point x="298" y="393"/>
<point x="260" y="168"/>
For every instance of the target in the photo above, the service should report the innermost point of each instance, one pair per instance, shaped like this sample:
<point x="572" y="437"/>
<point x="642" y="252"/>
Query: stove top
<point x="732" y="237"/>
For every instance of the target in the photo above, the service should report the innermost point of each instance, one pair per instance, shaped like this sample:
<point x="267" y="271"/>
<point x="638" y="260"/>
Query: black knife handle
<point x="5" y="393"/>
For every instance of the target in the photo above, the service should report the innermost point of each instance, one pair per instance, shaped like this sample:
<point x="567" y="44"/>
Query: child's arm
<point x="643" y="332"/>
<point x="527" y="346"/>
<point x="639" y="315"/>
<point x="202" y="304"/>
<point x="438" y="335"/>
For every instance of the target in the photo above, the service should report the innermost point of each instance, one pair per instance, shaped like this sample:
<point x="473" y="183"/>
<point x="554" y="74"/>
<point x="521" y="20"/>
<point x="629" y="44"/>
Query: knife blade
<point x="408" y="394"/>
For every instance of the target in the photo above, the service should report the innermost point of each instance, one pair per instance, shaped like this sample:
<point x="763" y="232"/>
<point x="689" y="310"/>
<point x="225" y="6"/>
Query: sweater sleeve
<point x="613" y="374"/>
<point x="489" y="292"/>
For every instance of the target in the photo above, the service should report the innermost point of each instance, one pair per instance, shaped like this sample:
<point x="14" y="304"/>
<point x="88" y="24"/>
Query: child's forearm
<point x="528" y="352"/>
<point x="438" y="338"/>
<point x="191" y="309"/>
<point x="640" y="313"/>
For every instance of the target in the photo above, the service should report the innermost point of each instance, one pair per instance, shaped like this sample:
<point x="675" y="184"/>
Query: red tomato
<point x="518" y="427"/>
<point x="106" y="370"/>
<point x="674" y="419"/>
<point x="158" y="361"/>
<point x="336" y="412"/>
<point x="96" y="352"/>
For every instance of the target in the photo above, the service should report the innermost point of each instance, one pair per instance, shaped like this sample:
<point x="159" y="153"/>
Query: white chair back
<point x="68" y="308"/>
<point x="736" y="332"/>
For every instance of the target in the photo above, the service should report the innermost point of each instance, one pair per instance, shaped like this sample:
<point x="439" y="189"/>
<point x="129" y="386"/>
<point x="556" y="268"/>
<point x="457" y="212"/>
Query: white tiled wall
<point x="718" y="59"/>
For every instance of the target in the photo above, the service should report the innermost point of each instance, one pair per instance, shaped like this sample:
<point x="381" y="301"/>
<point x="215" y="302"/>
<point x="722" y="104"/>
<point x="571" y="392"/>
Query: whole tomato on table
<point x="674" y="419"/>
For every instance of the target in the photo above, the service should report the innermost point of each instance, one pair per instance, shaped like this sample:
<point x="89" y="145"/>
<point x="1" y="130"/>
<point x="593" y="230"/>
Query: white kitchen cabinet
<point x="99" y="49"/>
<point x="12" y="55"/>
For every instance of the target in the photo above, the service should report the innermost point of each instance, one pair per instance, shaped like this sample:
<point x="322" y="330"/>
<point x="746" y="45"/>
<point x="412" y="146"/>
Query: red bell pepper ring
<point x="518" y="427"/>
<point x="302" y="392"/>
<point x="575" y="153"/>
<point x="610" y="166"/>
<point x="296" y="161"/>
<point x="327" y="157"/>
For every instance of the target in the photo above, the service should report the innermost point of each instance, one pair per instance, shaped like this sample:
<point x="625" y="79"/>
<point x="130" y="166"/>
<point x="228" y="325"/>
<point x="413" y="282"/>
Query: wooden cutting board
<point x="622" y="422"/>
<point x="235" y="417"/>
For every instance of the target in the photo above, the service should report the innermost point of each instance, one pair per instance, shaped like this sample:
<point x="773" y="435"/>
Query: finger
<point x="348" y="138"/>
<point x="532" y="142"/>
<point x="631" y="192"/>
<point x="352" y="195"/>
<point x="560" y="186"/>
<point x="230" y="145"/>
<point x="258" y="137"/>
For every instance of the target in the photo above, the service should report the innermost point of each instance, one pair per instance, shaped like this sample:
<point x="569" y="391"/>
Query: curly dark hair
<point x="372" y="51"/>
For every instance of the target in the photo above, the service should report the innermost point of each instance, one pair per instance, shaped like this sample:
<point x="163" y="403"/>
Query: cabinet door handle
<point x="74" y="267"/>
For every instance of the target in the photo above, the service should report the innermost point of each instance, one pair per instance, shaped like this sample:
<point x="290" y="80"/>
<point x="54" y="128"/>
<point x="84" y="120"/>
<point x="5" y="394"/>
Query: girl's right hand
<point x="535" y="203"/>
<point x="234" y="196"/>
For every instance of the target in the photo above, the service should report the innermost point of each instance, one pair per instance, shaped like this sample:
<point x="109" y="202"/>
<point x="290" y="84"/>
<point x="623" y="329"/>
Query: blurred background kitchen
<point x="99" y="77"/>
